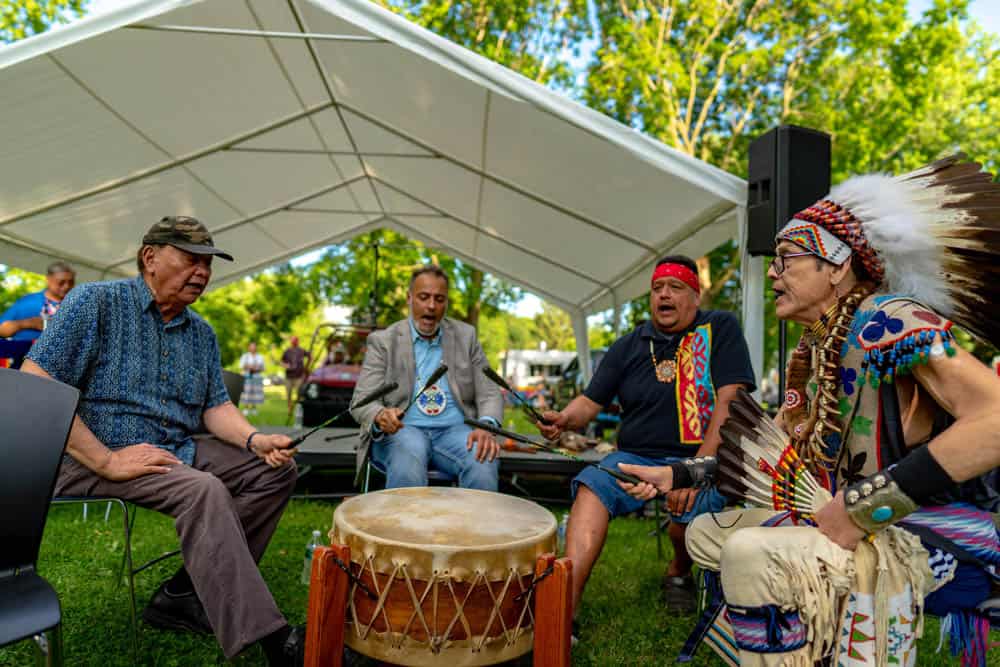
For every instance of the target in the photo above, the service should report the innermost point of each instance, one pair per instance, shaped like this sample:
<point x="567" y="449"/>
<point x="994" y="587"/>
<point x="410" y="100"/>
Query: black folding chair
<point x="35" y="418"/>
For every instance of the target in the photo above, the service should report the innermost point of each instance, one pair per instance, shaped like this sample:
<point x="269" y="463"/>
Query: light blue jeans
<point x="408" y="452"/>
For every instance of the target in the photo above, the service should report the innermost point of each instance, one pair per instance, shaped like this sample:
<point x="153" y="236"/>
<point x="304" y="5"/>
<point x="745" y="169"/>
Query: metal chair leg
<point x="126" y="570"/>
<point x="49" y="648"/>
<point x="368" y="476"/>
<point x="659" y="538"/>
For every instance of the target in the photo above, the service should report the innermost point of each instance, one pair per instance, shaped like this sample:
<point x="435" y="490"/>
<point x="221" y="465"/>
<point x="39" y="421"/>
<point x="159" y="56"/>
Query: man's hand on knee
<point x="680" y="501"/>
<point x="135" y="461"/>
<point x="486" y="445"/>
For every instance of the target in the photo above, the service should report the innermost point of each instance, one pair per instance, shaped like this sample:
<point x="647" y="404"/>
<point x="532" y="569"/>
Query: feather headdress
<point x="759" y="465"/>
<point x="932" y="234"/>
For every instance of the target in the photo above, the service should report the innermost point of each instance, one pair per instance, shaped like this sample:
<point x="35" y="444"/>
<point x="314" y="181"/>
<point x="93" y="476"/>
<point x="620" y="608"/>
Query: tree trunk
<point x="474" y="298"/>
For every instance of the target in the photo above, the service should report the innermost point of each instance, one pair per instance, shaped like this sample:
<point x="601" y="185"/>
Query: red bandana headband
<point x="679" y="271"/>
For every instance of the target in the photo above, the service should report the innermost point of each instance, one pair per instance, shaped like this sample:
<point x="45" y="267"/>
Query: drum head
<point x="439" y="528"/>
<point x="442" y="517"/>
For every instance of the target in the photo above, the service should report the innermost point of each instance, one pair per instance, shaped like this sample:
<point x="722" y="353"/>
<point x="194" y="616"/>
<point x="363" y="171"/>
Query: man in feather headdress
<point x="884" y="412"/>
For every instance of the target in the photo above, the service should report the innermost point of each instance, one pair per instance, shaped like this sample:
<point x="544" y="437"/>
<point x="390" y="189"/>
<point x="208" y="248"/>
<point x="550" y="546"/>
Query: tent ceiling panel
<point x="110" y="225"/>
<point x="300" y="228"/>
<point x="88" y="146"/>
<point x="528" y="223"/>
<point x="460" y="239"/>
<point x="557" y="161"/>
<point x="257" y="181"/>
<point x="395" y="202"/>
<point x="300" y="136"/>
<point x="294" y="54"/>
<point x="370" y="138"/>
<point x="413" y="96"/>
<point x="363" y="193"/>
<point x="340" y="199"/>
<point x="317" y="20"/>
<point x="249" y="245"/>
<point x="220" y="14"/>
<point x="439" y="183"/>
<point x="237" y="89"/>
<point x="220" y="109"/>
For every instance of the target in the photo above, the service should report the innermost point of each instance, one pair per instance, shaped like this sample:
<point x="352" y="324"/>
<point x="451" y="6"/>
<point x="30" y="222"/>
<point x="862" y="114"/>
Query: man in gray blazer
<point x="432" y="432"/>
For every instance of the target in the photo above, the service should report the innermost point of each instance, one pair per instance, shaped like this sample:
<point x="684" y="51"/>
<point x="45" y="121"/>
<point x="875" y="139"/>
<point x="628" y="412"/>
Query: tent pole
<point x="752" y="279"/>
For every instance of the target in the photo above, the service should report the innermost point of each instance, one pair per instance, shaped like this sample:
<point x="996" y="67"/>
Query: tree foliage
<point x="707" y="76"/>
<point x="15" y="283"/>
<point x="346" y="275"/>
<point x="24" y="18"/>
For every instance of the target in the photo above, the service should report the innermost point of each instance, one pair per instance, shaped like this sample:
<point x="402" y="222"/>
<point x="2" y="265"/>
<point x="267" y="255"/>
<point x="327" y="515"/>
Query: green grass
<point x="622" y="620"/>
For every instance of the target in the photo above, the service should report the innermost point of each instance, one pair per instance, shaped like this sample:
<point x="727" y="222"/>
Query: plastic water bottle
<point x="561" y="534"/>
<point x="314" y="542"/>
<point x="297" y="419"/>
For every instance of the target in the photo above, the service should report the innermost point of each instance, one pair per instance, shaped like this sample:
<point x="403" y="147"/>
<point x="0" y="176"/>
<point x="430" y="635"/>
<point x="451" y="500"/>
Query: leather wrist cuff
<point x="696" y="472"/>
<point x="877" y="502"/>
<point x="920" y="476"/>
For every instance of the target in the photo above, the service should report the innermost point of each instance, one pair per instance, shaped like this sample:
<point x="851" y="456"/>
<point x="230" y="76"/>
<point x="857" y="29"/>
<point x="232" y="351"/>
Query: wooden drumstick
<point x="492" y="375"/>
<point x="496" y="430"/>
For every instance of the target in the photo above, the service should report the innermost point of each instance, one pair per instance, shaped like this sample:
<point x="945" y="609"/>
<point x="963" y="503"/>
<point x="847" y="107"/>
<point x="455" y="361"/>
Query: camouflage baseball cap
<point x="185" y="233"/>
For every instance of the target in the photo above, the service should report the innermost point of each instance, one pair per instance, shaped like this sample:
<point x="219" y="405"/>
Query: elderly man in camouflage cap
<point x="149" y="375"/>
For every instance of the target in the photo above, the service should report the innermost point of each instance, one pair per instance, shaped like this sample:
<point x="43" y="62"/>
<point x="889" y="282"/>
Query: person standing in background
<point x="293" y="360"/>
<point x="252" y="365"/>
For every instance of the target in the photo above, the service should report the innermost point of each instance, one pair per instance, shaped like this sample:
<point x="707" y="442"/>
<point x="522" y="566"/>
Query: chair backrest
<point x="234" y="385"/>
<point x="35" y="417"/>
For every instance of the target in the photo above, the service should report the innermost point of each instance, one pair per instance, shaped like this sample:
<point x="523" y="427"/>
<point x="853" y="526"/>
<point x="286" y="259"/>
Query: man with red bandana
<point x="674" y="376"/>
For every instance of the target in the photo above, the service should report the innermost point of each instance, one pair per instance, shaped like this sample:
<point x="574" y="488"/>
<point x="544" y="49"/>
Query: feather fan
<point x="758" y="464"/>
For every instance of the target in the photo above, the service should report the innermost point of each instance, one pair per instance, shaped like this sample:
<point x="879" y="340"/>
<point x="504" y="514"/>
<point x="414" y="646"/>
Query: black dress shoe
<point x="176" y="612"/>
<point x="286" y="646"/>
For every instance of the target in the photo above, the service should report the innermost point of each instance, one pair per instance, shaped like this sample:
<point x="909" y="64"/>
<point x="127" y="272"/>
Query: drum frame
<point x="328" y="598"/>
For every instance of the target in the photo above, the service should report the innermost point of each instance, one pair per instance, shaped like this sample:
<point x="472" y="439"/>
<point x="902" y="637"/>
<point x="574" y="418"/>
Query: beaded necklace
<point x="666" y="369"/>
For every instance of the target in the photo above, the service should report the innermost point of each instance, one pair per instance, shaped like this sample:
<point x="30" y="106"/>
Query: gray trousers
<point x="225" y="508"/>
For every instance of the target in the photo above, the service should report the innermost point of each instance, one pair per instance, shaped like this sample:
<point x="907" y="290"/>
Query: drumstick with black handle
<point x="374" y="396"/>
<point x="496" y="430"/>
<point x="495" y="377"/>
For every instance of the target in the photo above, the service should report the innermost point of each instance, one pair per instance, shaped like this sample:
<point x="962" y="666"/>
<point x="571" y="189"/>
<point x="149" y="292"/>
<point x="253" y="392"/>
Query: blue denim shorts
<point x="617" y="502"/>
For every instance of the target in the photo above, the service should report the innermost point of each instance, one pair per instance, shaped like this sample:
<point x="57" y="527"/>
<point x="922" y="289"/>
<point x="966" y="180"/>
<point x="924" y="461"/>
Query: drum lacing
<point x="534" y="582"/>
<point x="353" y="577"/>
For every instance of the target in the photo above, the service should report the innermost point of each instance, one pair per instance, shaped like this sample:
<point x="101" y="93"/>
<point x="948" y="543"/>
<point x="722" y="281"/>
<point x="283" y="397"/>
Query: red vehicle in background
<point x="336" y="352"/>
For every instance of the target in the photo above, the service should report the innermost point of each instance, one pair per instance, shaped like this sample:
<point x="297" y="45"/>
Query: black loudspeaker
<point x="789" y="170"/>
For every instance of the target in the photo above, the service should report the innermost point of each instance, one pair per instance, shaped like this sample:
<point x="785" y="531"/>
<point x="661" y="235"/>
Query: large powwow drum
<point x="448" y="567"/>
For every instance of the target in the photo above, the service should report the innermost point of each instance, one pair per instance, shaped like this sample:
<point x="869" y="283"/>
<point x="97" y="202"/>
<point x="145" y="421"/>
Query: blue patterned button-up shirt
<point x="140" y="379"/>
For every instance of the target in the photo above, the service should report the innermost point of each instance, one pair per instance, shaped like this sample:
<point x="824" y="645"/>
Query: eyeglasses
<point x="778" y="263"/>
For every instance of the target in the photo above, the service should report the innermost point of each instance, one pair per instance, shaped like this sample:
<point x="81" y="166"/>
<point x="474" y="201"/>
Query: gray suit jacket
<point x="390" y="359"/>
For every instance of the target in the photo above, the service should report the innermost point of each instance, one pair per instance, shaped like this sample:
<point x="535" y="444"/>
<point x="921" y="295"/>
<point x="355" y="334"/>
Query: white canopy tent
<point x="289" y="125"/>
